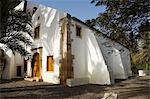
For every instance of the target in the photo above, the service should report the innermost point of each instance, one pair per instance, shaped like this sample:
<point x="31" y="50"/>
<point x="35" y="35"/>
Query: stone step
<point x="37" y="79"/>
<point x="77" y="81"/>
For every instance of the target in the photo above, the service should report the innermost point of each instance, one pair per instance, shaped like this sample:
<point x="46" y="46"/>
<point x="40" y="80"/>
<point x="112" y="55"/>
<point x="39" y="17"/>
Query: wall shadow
<point x="52" y="91"/>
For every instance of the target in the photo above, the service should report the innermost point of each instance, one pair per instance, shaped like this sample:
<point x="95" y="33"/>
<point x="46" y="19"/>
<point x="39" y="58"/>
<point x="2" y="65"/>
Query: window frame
<point x="78" y="31"/>
<point x="35" y="35"/>
<point x="48" y="63"/>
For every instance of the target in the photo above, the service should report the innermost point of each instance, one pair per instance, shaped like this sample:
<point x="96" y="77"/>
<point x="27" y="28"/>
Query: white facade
<point x="10" y="65"/>
<point x="117" y="57"/>
<point x="97" y="59"/>
<point x="89" y="61"/>
<point x="49" y="38"/>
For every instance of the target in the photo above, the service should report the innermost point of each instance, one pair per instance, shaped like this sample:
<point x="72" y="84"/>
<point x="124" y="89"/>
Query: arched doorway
<point x="36" y="65"/>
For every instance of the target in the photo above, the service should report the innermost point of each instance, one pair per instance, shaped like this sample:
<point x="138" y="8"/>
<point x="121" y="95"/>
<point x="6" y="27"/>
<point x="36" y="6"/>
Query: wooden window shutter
<point x="50" y="63"/>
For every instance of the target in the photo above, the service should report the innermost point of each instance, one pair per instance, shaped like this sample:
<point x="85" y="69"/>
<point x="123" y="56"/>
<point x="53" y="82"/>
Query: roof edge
<point x="96" y="30"/>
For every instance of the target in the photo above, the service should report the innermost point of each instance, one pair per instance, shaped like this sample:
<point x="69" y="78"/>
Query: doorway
<point x="36" y="65"/>
<point x="19" y="71"/>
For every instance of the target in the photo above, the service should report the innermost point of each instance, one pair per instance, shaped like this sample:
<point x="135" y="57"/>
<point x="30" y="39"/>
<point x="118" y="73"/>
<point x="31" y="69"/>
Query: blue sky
<point x="81" y="9"/>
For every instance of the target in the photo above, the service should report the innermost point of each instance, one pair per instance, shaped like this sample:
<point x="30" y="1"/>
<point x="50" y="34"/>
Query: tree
<point x="6" y="6"/>
<point x="142" y="57"/>
<point x="122" y="19"/>
<point x="127" y="22"/>
<point x="91" y="23"/>
<point x="15" y="28"/>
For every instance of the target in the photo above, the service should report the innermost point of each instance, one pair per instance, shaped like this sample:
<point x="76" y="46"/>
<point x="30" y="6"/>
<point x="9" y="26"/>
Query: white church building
<point x="66" y="51"/>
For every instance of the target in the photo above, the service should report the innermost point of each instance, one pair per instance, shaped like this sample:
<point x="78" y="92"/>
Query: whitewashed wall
<point x="18" y="61"/>
<point x="88" y="61"/>
<point x="116" y="56"/>
<point x="9" y="63"/>
<point x="125" y="57"/>
<point x="12" y="61"/>
<point x="49" y="38"/>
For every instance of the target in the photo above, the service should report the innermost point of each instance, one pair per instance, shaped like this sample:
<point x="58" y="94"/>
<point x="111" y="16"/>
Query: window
<point x="36" y="32"/>
<point x="78" y="31"/>
<point x="50" y="63"/>
<point x="38" y="18"/>
<point x="34" y="9"/>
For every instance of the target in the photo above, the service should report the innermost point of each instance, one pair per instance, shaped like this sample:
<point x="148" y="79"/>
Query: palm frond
<point x="18" y="32"/>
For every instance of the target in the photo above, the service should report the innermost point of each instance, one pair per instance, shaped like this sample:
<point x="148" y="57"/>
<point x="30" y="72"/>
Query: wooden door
<point x="36" y="67"/>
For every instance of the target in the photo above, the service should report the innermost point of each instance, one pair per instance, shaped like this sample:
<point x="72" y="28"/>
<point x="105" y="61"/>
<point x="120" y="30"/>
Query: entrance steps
<point x="77" y="81"/>
<point x="36" y="79"/>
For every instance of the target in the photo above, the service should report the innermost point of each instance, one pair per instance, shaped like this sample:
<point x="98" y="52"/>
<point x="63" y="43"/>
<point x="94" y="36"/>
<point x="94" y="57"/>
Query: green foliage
<point x="6" y="6"/>
<point x="16" y="31"/>
<point x="142" y="56"/>
<point x="122" y="19"/>
<point x="91" y="23"/>
<point x="127" y="22"/>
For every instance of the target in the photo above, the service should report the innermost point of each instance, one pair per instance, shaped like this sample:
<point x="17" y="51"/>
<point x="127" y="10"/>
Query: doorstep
<point x="36" y="79"/>
<point x="77" y="81"/>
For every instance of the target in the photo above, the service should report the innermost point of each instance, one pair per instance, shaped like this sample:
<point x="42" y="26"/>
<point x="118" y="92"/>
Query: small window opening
<point x="37" y="32"/>
<point x="78" y="31"/>
<point x="38" y="17"/>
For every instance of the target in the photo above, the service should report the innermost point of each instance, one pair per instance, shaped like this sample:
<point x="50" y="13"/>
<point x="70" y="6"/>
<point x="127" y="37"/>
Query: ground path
<point x="133" y="88"/>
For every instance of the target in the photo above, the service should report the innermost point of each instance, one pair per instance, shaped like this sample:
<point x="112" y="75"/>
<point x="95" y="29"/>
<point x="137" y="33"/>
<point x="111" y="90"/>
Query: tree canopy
<point x="128" y="14"/>
<point x="127" y="22"/>
<point x="122" y="18"/>
<point x="15" y="30"/>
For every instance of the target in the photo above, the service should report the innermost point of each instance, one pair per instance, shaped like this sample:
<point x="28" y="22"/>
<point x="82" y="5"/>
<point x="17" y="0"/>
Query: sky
<point x="82" y="9"/>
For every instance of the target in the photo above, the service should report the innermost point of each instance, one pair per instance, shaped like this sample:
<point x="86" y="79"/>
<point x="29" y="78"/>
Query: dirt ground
<point x="133" y="88"/>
